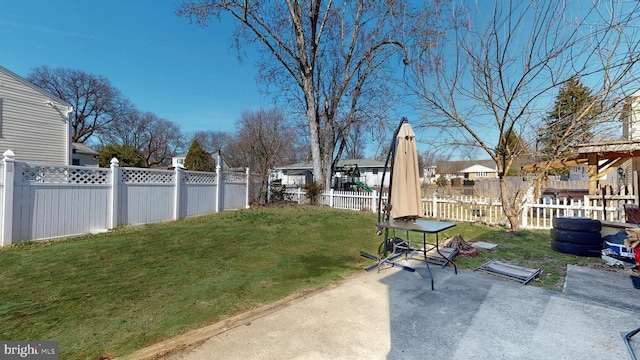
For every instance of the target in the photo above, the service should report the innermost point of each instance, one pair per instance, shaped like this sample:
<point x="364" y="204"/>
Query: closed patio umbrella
<point x="405" y="196"/>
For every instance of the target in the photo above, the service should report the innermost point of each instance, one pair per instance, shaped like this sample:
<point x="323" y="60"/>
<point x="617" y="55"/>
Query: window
<point x="375" y="171"/>
<point x="75" y="162"/>
<point x="180" y="161"/>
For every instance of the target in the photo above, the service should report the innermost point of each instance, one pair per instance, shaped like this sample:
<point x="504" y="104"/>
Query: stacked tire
<point x="577" y="236"/>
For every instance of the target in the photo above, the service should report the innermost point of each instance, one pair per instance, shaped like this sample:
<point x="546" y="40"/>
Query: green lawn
<point x="110" y="294"/>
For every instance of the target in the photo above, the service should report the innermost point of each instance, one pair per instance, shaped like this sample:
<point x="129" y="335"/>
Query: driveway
<point x="394" y="314"/>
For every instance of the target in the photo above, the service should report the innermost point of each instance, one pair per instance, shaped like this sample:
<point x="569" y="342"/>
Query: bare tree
<point x="165" y="140"/>
<point x="157" y="139"/>
<point x="95" y="101"/>
<point x="503" y="69"/>
<point x="212" y="141"/>
<point x="355" y="143"/>
<point x="262" y="140"/>
<point x="323" y="54"/>
<point x="127" y="129"/>
<point x="431" y="157"/>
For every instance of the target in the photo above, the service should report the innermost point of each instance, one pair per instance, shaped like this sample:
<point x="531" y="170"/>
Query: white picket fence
<point x="540" y="216"/>
<point x="535" y="214"/>
<point x="40" y="201"/>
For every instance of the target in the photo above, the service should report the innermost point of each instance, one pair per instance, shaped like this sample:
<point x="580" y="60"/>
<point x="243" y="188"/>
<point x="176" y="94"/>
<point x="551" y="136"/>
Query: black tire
<point x="577" y="224"/>
<point x="578" y="250"/>
<point x="576" y="237"/>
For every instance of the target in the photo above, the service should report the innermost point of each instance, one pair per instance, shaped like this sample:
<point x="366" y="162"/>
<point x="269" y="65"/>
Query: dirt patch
<point x="616" y="269"/>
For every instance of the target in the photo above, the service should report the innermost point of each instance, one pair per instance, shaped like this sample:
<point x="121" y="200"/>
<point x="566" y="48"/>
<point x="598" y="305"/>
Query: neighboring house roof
<point x="454" y="167"/>
<point x="80" y="148"/>
<point x="362" y="163"/>
<point x="33" y="86"/>
<point x="477" y="169"/>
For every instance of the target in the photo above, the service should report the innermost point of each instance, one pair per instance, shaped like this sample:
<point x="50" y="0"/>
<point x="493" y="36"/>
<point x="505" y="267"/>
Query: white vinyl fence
<point x="534" y="215"/>
<point x="41" y="201"/>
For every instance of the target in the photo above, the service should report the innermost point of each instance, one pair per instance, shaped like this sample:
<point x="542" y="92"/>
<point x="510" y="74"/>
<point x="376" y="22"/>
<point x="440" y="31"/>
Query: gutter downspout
<point x="69" y="151"/>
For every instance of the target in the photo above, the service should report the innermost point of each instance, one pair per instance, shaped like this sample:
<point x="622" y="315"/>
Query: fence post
<point x="247" y="195"/>
<point x="330" y="197"/>
<point x="587" y="206"/>
<point x="269" y="187"/>
<point x="218" y="187"/>
<point x="115" y="189"/>
<point x="177" y="194"/>
<point x="374" y="202"/>
<point x="8" y="177"/>
<point x="434" y="205"/>
<point x="525" y="212"/>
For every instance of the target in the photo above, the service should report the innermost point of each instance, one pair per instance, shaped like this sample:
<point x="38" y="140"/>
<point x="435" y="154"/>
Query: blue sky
<point x="163" y="64"/>
<point x="181" y="72"/>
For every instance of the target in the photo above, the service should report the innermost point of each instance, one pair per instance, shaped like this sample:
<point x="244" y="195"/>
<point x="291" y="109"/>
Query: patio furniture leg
<point x="627" y="337"/>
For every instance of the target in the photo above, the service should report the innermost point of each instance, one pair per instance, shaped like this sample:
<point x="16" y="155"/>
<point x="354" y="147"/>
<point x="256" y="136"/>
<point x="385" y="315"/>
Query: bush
<point x="279" y="194"/>
<point x="313" y="192"/>
<point x="198" y="160"/>
<point x="127" y="155"/>
<point x="442" y="181"/>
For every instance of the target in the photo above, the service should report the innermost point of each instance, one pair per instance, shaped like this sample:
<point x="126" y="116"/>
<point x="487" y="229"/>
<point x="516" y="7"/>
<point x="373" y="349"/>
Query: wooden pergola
<point x="601" y="159"/>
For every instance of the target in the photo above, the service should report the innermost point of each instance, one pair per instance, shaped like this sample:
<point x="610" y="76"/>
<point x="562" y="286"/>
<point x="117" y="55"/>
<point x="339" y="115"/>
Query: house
<point x="631" y="117"/>
<point x="82" y="155"/>
<point x="178" y="160"/>
<point x="631" y="130"/>
<point x="351" y="174"/>
<point x="478" y="172"/>
<point x="33" y="123"/>
<point x="467" y="169"/>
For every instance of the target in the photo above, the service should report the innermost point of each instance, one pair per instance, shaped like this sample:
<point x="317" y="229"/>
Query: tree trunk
<point x="327" y="168"/>
<point x="314" y="131"/>
<point x="511" y="209"/>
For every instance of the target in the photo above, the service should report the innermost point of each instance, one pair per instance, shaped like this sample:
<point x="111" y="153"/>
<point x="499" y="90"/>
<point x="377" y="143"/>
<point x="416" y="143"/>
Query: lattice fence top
<point x="196" y="177"/>
<point x="64" y="175"/>
<point x="137" y="176"/>
<point x="234" y="177"/>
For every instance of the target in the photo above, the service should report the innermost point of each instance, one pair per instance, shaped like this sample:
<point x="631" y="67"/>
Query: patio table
<point x="421" y="226"/>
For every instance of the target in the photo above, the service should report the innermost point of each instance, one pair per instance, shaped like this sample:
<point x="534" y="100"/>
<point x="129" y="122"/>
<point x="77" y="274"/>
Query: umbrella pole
<point x="389" y="162"/>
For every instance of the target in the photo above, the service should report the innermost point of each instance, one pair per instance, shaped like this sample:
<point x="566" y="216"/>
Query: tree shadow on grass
<point x="318" y="265"/>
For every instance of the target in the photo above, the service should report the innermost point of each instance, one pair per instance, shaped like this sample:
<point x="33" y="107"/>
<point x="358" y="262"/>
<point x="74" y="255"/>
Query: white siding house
<point x="631" y="130"/>
<point x="178" y="160"/>
<point x="631" y="117"/>
<point x="33" y="123"/>
<point x="82" y="155"/>
<point x="370" y="173"/>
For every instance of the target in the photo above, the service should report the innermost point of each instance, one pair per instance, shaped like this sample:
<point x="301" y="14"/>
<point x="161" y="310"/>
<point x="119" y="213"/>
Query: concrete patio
<point x="395" y="315"/>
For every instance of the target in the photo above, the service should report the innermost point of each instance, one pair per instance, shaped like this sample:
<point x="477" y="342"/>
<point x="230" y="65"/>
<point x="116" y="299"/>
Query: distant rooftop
<point x="362" y="163"/>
